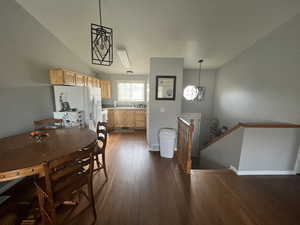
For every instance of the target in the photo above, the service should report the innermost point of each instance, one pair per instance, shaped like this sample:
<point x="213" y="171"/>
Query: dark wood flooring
<point x="200" y="163"/>
<point x="144" y="189"/>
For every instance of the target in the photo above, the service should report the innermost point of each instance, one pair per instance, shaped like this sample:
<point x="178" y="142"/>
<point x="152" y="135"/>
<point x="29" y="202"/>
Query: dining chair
<point x="65" y="177"/>
<point x="101" y="146"/>
<point x="48" y="124"/>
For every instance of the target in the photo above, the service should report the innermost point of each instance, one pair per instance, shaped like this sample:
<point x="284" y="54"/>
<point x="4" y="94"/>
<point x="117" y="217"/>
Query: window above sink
<point x="131" y="91"/>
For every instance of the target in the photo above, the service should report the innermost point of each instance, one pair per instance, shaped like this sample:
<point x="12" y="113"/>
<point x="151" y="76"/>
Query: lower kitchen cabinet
<point x="124" y="118"/>
<point x="131" y="118"/>
<point x="140" y="119"/>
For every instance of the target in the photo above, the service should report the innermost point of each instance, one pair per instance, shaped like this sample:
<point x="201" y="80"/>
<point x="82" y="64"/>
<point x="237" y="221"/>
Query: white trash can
<point x="167" y="139"/>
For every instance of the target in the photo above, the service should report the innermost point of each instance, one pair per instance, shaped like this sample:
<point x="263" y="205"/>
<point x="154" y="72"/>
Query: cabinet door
<point x="95" y="82"/>
<point x="140" y="124"/>
<point x="108" y="89"/>
<point x="129" y="114"/>
<point x="105" y="86"/>
<point x="110" y="122"/>
<point x="124" y="118"/>
<point x="56" y="76"/>
<point x="90" y="82"/>
<point x="85" y="79"/>
<point x="140" y="119"/>
<point x="69" y="77"/>
<point x="80" y="79"/>
<point x="119" y="118"/>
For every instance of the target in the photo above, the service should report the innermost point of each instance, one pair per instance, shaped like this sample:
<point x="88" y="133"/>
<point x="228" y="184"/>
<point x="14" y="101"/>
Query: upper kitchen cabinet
<point x="80" y="79"/>
<point x="67" y="77"/>
<point x="105" y="86"/>
<point x="56" y="76"/>
<point x="90" y="81"/>
<point x="96" y="83"/>
<point x="62" y="76"/>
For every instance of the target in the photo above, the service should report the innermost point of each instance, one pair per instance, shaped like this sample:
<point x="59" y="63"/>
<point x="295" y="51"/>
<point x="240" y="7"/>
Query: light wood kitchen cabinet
<point x="110" y="122"/>
<point x="90" y="82"/>
<point x="67" y="77"/>
<point x="108" y="88"/>
<point x="124" y="118"/>
<point x="97" y="84"/>
<point x="62" y="77"/>
<point x="102" y="86"/>
<point x="140" y="119"/>
<point x="118" y="118"/>
<point x="131" y="118"/>
<point x="80" y="79"/>
<point x="56" y="76"/>
<point x="94" y="82"/>
<point x="105" y="86"/>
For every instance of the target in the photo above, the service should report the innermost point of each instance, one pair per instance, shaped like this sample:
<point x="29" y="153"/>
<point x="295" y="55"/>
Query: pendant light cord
<point x="199" y="74"/>
<point x="100" y="14"/>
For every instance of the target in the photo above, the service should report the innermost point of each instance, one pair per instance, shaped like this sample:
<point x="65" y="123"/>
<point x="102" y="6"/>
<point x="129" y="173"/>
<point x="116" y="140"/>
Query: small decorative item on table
<point x="39" y="135"/>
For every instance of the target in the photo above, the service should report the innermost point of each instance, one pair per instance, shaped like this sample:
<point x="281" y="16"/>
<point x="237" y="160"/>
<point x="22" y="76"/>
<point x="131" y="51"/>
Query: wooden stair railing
<point x="252" y="125"/>
<point x="184" y="144"/>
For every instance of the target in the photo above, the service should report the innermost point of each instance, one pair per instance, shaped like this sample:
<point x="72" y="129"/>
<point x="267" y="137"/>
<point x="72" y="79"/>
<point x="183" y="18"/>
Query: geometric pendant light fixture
<point x="101" y="43"/>
<point x="195" y="93"/>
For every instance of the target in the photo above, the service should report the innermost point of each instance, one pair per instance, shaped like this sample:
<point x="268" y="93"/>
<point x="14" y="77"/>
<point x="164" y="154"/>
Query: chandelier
<point x="101" y="43"/>
<point x="192" y="92"/>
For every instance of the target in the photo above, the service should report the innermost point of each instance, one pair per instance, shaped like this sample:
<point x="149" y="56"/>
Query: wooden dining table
<point x="23" y="155"/>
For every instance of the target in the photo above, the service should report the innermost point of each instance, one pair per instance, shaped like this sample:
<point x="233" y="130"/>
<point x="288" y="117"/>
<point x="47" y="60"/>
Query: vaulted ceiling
<point x="215" y="30"/>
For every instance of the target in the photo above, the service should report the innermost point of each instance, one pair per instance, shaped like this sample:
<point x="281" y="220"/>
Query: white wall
<point x="208" y="78"/>
<point x="227" y="151"/>
<point x="263" y="82"/>
<point x="27" y="51"/>
<point x="271" y="149"/>
<point x="163" y="113"/>
<point x="256" y="150"/>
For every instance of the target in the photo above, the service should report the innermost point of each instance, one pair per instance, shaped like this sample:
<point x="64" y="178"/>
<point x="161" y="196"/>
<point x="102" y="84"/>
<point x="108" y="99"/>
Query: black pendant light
<point x="195" y="93"/>
<point x="101" y="43"/>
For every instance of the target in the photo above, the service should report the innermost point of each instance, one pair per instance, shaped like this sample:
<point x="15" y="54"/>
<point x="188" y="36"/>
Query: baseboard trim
<point x="234" y="169"/>
<point x="262" y="172"/>
<point x="154" y="148"/>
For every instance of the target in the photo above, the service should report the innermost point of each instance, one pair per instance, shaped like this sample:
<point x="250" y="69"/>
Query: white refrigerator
<point x="83" y="99"/>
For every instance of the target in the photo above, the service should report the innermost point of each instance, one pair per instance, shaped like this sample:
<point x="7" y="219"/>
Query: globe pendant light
<point x="101" y="43"/>
<point x="192" y="92"/>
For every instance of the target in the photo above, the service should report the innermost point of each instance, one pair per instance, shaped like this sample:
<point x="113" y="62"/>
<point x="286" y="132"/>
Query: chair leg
<point x="97" y="161"/>
<point x="104" y="165"/>
<point x="53" y="214"/>
<point x="92" y="199"/>
<point x="46" y="219"/>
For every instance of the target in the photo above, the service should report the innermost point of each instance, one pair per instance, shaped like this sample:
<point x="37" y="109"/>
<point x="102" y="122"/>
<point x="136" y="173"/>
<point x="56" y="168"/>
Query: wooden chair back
<point x="48" y="124"/>
<point x="68" y="173"/>
<point x="63" y="177"/>
<point x="102" y="135"/>
<point x="184" y="144"/>
<point x="101" y="146"/>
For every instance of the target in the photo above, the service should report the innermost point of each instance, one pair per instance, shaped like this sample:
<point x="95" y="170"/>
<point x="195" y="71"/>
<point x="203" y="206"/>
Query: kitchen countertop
<point x="133" y="108"/>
